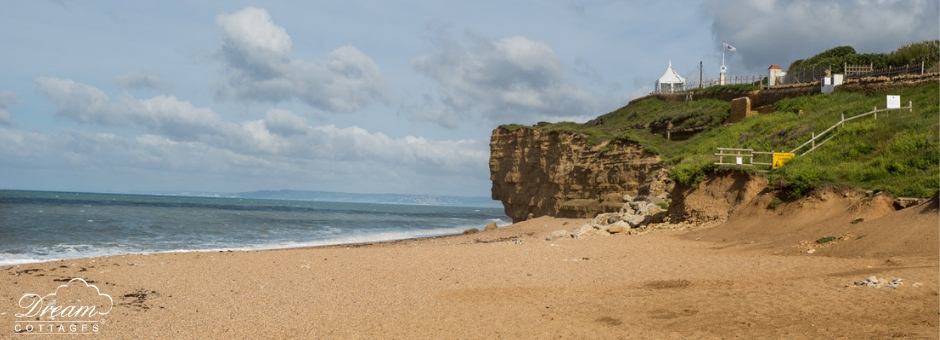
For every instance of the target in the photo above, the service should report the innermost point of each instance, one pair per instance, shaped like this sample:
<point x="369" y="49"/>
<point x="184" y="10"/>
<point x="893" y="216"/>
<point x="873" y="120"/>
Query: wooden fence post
<point x="843" y="120"/>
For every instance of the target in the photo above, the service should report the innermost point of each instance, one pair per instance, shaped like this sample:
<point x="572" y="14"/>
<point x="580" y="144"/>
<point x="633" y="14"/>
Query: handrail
<point x="749" y="153"/>
<point x="910" y="107"/>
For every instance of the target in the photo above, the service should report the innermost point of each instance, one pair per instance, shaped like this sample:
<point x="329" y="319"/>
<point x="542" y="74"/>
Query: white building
<point x="670" y="81"/>
<point x="774" y="75"/>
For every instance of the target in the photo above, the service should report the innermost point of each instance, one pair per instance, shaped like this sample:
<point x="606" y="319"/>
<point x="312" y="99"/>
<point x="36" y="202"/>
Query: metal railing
<point x="804" y="76"/>
<point x="858" y="71"/>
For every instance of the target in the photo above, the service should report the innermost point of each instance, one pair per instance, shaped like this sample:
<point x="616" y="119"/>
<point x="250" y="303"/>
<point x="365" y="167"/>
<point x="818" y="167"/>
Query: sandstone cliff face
<point x="556" y="174"/>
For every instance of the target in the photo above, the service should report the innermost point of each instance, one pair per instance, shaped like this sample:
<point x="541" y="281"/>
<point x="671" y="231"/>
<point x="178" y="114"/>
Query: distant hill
<point x="327" y="196"/>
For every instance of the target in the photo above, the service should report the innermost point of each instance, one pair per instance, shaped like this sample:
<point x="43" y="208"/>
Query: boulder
<point x="627" y="209"/>
<point x="636" y="221"/>
<point x="491" y="226"/>
<point x="905" y="202"/>
<point x="605" y="219"/>
<point x="471" y="231"/>
<point x="557" y="234"/>
<point x="622" y="224"/>
<point x="583" y="231"/>
<point x="658" y="215"/>
<point x="616" y="229"/>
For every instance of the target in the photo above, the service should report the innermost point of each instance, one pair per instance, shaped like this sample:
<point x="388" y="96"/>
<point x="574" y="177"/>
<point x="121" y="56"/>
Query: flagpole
<point x="721" y="78"/>
<point x="724" y="46"/>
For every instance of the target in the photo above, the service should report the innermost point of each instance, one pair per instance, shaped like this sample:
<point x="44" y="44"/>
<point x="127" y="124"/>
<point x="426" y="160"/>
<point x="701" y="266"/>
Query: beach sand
<point x="511" y="283"/>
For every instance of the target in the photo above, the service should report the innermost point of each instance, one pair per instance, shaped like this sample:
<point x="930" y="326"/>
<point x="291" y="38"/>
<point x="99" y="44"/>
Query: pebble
<point x="875" y="282"/>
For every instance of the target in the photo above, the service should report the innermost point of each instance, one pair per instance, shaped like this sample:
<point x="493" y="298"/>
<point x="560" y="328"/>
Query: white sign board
<point x="739" y="160"/>
<point x="894" y="102"/>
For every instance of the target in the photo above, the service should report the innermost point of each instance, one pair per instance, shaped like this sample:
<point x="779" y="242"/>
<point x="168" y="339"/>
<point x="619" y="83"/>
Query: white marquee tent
<point x="670" y="81"/>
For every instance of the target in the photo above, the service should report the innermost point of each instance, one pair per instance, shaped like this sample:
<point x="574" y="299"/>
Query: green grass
<point x="731" y="88"/>
<point x="826" y="239"/>
<point x="897" y="153"/>
<point x="511" y="127"/>
<point x="774" y="203"/>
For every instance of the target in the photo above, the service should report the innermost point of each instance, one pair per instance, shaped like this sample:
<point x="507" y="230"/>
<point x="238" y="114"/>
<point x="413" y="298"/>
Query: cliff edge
<point x="537" y="173"/>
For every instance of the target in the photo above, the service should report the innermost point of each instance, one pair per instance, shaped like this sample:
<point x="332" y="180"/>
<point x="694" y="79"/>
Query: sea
<point x="39" y="226"/>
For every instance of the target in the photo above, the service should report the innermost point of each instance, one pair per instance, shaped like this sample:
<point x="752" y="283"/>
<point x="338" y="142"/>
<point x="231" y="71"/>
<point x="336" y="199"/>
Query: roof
<point x="774" y="67"/>
<point x="671" y="77"/>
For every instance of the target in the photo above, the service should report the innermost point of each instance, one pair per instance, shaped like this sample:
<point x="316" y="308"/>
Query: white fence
<point x="742" y="157"/>
<point x="841" y="123"/>
<point x="745" y="157"/>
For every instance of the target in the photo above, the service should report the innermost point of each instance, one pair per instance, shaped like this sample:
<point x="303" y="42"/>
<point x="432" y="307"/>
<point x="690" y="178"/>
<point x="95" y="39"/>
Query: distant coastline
<point x="320" y="196"/>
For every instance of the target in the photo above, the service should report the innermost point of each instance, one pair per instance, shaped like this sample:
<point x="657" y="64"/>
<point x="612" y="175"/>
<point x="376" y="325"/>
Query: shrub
<point x="826" y="239"/>
<point x="511" y="127"/>
<point x="774" y="203"/>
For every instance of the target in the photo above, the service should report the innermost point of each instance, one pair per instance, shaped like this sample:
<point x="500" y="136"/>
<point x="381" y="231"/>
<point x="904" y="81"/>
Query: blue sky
<point x="362" y="96"/>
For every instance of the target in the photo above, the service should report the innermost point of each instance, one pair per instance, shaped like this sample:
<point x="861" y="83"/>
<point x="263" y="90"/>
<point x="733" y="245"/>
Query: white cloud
<point x="769" y="32"/>
<point x="258" y="67"/>
<point x="510" y="79"/>
<point x="162" y="114"/>
<point x="252" y="32"/>
<point x="285" y="123"/>
<point x="79" y="102"/>
<point x="7" y="99"/>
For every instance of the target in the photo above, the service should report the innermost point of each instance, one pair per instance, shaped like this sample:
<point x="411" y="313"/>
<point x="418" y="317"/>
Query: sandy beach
<point x="723" y="281"/>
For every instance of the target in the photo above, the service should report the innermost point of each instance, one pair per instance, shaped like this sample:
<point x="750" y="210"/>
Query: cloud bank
<point x="179" y="136"/>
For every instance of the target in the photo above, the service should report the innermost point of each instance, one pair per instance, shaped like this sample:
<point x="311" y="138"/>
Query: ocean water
<point x="46" y="226"/>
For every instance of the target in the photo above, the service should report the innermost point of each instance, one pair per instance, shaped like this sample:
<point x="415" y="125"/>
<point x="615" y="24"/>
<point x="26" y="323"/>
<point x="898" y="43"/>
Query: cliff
<point x="580" y="170"/>
<point x="536" y="173"/>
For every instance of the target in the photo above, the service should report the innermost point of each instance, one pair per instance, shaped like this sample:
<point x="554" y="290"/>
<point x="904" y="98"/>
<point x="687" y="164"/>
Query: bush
<point x="511" y="127"/>
<point x="826" y="239"/>
<point x="774" y="203"/>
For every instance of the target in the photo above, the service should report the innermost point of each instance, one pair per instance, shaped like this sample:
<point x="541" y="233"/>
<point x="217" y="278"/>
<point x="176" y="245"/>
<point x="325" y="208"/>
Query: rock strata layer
<point x="537" y="173"/>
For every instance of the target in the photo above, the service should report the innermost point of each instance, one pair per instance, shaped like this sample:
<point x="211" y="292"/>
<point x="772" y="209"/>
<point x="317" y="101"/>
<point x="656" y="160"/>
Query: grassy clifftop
<point x="899" y="152"/>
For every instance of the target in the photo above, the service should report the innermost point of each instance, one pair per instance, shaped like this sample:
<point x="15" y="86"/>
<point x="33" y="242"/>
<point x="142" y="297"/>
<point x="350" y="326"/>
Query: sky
<point x="363" y="96"/>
